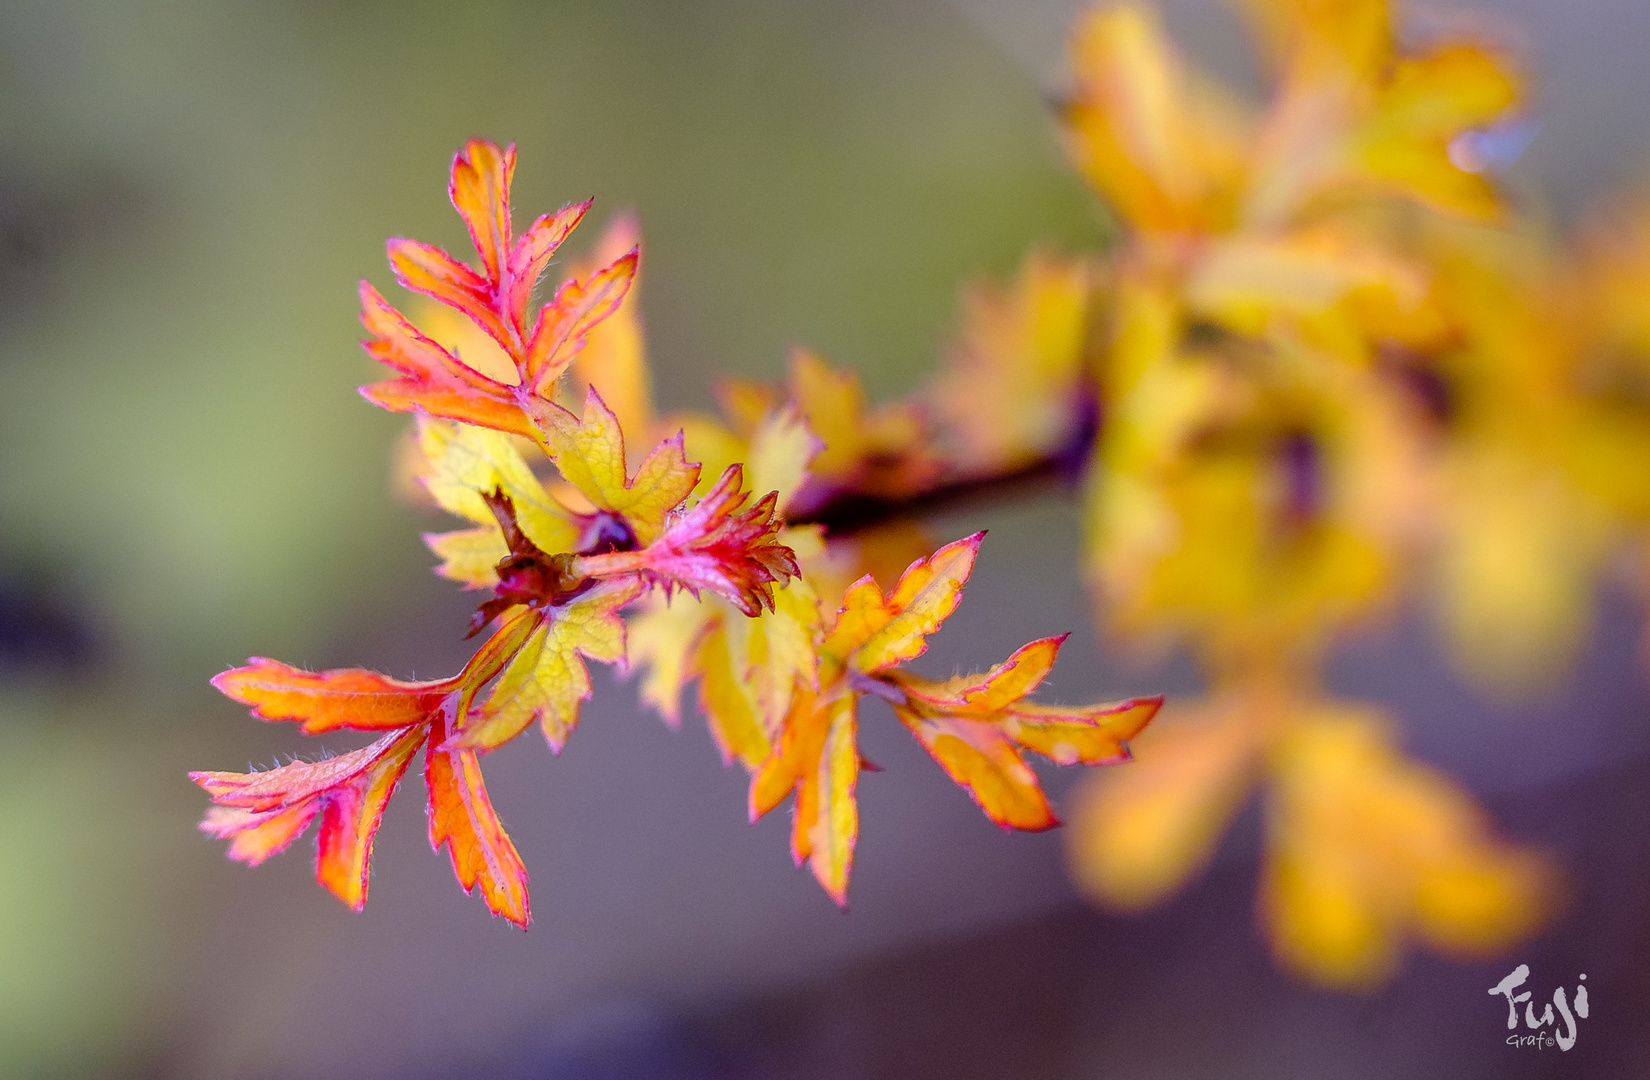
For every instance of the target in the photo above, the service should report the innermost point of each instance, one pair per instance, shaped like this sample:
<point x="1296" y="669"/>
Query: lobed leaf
<point x="778" y="650"/>
<point x="545" y="680"/>
<point x="664" y="638"/>
<point x="264" y="812"/>
<point x="1014" y="389"/>
<point x="531" y="257"/>
<point x="463" y="820"/>
<point x="782" y="449"/>
<point x="432" y="380"/>
<point x="738" y="731"/>
<point x="976" y="726"/>
<point x="1138" y="834"/>
<point x="464" y="465"/>
<point x="328" y="700"/>
<point x="428" y="269"/>
<point x="469" y="556"/>
<point x="480" y="192"/>
<point x="817" y="759"/>
<point x="712" y="546"/>
<point x="613" y="357"/>
<point x="873" y="632"/>
<point x="564" y="323"/>
<point x="590" y="455"/>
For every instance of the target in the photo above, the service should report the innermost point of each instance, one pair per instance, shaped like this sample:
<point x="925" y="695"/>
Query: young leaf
<point x="734" y="724"/>
<point x="590" y="455"/>
<point x="976" y="726"/>
<point x="663" y="638"/>
<point x="264" y="812"/>
<point x="432" y="379"/>
<point x="469" y="556"/>
<point x="427" y="269"/>
<point x="464" y="465"/>
<point x="770" y="655"/>
<point x="578" y="307"/>
<point x="873" y="632"/>
<point x="817" y="759"/>
<point x="1014" y="388"/>
<point x="480" y="191"/>
<point x="462" y="819"/>
<point x="327" y="700"/>
<point x="1367" y="847"/>
<point x="545" y="680"/>
<point x="531" y="255"/>
<point x="613" y="357"/>
<point x="880" y="451"/>
<point x="712" y="546"/>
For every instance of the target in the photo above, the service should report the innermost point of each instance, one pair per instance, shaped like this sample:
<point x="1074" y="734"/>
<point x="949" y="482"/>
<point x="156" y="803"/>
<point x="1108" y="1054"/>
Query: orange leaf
<point x="873" y="632"/>
<point x="976" y="726"/>
<point x="613" y="357"/>
<point x="480" y="190"/>
<point x="463" y="819"/>
<point x="433" y="380"/>
<point x="427" y="269"/>
<point x="326" y="700"/>
<point x="579" y="305"/>
<point x="818" y="758"/>
<point x="532" y="254"/>
<point x="271" y="809"/>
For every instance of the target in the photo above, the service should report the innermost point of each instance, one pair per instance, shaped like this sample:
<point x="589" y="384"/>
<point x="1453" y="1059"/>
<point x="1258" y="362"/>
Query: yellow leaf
<point x="1138" y="834"/>
<point x="770" y="654"/>
<point x="1163" y="148"/>
<point x="546" y="679"/>
<point x="725" y="700"/>
<point x="708" y="441"/>
<point x="976" y="726"/>
<point x="782" y="448"/>
<point x="1427" y="102"/>
<point x="1367" y="848"/>
<point x="818" y="759"/>
<point x="1249" y="280"/>
<point x="470" y="556"/>
<point x="590" y="455"/>
<point x="1013" y="389"/>
<point x="662" y="638"/>
<point x="881" y="451"/>
<point x="463" y="463"/>
<point x="872" y="633"/>
<point x="1521" y="550"/>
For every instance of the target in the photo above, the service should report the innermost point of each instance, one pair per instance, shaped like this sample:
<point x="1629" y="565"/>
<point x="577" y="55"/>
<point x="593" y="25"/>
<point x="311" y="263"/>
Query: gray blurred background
<point x="188" y="194"/>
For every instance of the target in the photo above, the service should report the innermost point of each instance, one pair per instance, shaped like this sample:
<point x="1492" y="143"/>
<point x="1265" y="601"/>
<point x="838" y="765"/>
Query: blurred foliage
<point x="1334" y="367"/>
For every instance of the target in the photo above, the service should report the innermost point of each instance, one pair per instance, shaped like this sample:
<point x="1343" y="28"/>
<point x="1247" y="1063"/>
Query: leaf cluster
<point x="608" y="557"/>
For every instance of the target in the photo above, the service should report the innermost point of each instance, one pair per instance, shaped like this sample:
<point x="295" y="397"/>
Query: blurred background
<point x="188" y="194"/>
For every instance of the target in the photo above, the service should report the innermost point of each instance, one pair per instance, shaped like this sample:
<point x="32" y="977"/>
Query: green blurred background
<point x="189" y="192"/>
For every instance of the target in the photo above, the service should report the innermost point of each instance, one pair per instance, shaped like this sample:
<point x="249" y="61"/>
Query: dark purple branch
<point x="845" y="511"/>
